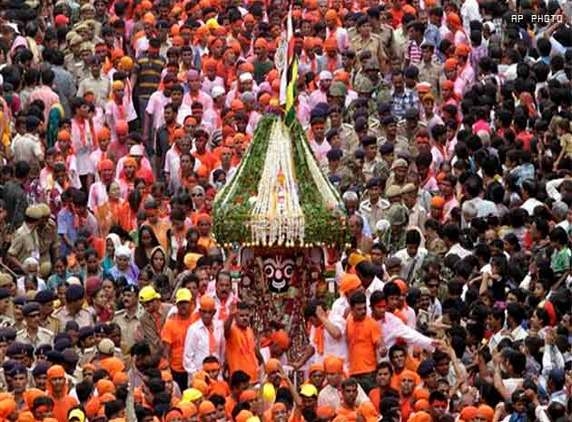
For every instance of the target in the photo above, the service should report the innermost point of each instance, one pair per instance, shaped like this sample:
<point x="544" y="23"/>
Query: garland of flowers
<point x="279" y="196"/>
<point x="277" y="218"/>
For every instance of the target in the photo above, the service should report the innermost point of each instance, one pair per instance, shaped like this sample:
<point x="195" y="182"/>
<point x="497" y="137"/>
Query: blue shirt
<point x="66" y="226"/>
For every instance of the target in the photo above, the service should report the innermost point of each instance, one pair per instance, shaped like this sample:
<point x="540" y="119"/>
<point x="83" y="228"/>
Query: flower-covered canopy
<point x="279" y="196"/>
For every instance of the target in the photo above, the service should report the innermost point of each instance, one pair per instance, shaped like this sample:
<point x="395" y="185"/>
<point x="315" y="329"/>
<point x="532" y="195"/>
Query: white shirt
<point x="376" y="284"/>
<point x="458" y="250"/>
<point x="393" y="328"/>
<point x="530" y="204"/>
<point x="339" y="307"/>
<point x="197" y="345"/>
<point x="410" y="264"/>
<point x="97" y="196"/>
<point x="332" y="347"/>
<point x="470" y="12"/>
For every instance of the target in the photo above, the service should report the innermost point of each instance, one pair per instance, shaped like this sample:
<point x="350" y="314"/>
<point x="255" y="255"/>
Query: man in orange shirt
<point x="58" y="391"/>
<point x="241" y="350"/>
<point x="173" y="336"/>
<point x="383" y="379"/>
<point x="365" y="343"/>
<point x="407" y="385"/>
<point x="349" y="407"/>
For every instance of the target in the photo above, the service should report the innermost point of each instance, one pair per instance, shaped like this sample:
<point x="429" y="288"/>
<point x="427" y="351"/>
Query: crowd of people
<point x="446" y="128"/>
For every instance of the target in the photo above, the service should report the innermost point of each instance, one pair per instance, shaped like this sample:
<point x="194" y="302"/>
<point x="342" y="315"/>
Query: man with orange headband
<point x="58" y="391"/>
<point x="330" y="395"/>
<point x="204" y="337"/>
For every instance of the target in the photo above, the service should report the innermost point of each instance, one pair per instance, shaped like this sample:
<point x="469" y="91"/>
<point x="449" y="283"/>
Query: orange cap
<point x="64" y="135"/>
<point x="333" y="364"/>
<point x="237" y="105"/>
<point x="462" y="50"/>
<point x="247" y="395"/>
<point x="206" y="407"/>
<point x="349" y="282"/>
<point x="437" y="202"/>
<point x="451" y="64"/>
<point x="103" y="133"/>
<point x="207" y="303"/>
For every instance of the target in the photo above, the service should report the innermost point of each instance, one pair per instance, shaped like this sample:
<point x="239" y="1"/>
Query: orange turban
<point x="448" y="84"/>
<point x="462" y="50"/>
<point x="104" y="386"/>
<point x="117" y="86"/>
<point x="129" y="161"/>
<point x="177" y="41"/>
<point x="247" y="395"/>
<point x="189" y="409"/>
<point x="120" y="378"/>
<point x="264" y="98"/>
<point x="280" y="338"/>
<point x="7" y="407"/>
<point x="105" y="164"/>
<point x="107" y="397"/>
<point x="421" y="417"/>
<point x="261" y="43"/>
<point x="243" y="416"/>
<point x="237" y="105"/>
<point x="349" y="282"/>
<point x="64" y="135"/>
<point x="420" y="393"/>
<point x="32" y="394"/>
<point x="330" y="44"/>
<point x="451" y="64"/>
<point x="92" y="407"/>
<point x="486" y="412"/>
<point x="468" y="413"/>
<point x="126" y="63"/>
<point x="112" y="365"/>
<point x="56" y="371"/>
<point x="273" y="365"/>
<point x="210" y="63"/>
<point x="333" y="365"/>
<point x="437" y="202"/>
<point x="410" y="375"/>
<point x="454" y="20"/>
<point x="422" y="404"/>
<point x="207" y="303"/>
<point x="331" y="14"/>
<point x="206" y="407"/>
<point x="103" y="133"/>
<point x="178" y="133"/>
<point x="246" y="67"/>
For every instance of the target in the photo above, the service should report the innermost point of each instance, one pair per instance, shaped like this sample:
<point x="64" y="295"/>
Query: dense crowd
<point x="446" y="128"/>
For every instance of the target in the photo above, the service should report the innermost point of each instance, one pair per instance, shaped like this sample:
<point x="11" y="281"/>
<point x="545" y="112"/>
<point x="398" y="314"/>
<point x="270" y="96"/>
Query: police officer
<point x="45" y="298"/>
<point x="33" y="333"/>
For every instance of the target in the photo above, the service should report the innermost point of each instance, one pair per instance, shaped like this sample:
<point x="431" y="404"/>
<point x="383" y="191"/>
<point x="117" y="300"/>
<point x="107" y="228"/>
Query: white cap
<point x="217" y="91"/>
<point x="325" y="75"/>
<point x="245" y="77"/>
<point x="73" y="280"/>
<point x="136" y="150"/>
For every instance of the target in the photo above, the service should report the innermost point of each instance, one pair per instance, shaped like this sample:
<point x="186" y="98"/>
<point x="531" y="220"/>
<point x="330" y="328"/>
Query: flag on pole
<point x="289" y="71"/>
